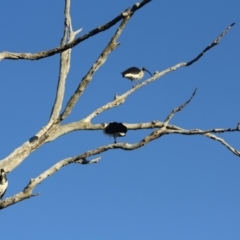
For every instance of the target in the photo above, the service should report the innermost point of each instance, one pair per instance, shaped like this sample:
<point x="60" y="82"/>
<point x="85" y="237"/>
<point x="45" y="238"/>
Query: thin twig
<point x="178" y="109"/>
<point x="214" y="43"/>
<point x="199" y="131"/>
<point x="208" y="133"/>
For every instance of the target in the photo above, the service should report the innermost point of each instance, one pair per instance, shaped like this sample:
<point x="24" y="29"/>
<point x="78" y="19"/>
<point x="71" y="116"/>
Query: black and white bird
<point x="115" y="129"/>
<point x="3" y="183"/>
<point x="134" y="73"/>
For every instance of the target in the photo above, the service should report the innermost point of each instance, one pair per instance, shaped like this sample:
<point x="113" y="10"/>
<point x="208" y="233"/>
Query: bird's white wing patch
<point x="130" y="75"/>
<point x="122" y="134"/>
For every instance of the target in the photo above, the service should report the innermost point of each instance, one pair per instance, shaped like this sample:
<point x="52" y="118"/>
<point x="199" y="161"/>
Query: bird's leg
<point x="137" y="81"/>
<point x="115" y="141"/>
<point x="132" y="84"/>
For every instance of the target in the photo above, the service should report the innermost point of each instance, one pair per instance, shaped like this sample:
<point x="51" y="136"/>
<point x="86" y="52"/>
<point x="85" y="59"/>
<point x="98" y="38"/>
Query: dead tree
<point x="55" y="129"/>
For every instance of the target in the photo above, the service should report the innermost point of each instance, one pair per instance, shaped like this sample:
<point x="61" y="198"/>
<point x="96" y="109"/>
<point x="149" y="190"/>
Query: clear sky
<point x="177" y="187"/>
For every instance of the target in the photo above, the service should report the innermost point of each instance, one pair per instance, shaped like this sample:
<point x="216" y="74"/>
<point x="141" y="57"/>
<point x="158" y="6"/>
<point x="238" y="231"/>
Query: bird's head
<point x="145" y="70"/>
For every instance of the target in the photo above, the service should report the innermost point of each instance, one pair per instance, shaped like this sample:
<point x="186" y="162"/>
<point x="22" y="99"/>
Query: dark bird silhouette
<point x="115" y="129"/>
<point x="3" y="183"/>
<point x="134" y="73"/>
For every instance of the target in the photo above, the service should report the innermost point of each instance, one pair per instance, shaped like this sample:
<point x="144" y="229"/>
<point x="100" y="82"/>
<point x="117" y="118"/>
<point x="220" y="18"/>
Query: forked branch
<point x="18" y="155"/>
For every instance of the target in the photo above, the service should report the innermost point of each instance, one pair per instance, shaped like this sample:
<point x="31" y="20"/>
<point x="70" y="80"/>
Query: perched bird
<point x="115" y="129"/>
<point x="134" y="73"/>
<point x="3" y="183"/>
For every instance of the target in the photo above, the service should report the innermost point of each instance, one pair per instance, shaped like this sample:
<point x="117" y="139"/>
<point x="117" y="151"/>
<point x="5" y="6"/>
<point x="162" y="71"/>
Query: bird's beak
<point x="147" y="71"/>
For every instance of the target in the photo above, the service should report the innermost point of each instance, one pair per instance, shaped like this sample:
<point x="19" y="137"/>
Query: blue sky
<point x="177" y="187"/>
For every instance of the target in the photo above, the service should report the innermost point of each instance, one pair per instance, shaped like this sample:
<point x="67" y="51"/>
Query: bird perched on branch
<point x="3" y="183"/>
<point x="134" y="73"/>
<point x="115" y="129"/>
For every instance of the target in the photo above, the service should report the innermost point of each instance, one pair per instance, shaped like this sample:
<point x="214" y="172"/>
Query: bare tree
<point x="54" y="129"/>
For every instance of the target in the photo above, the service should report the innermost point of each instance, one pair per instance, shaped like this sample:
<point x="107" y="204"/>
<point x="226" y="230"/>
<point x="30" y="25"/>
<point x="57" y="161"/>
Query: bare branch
<point x="178" y="109"/>
<point x="208" y="133"/>
<point x="68" y="36"/>
<point x="199" y="131"/>
<point x="27" y="192"/>
<point x="214" y="43"/>
<point x="48" y="53"/>
<point x="82" y="125"/>
<point x="77" y="126"/>
<point x="233" y="150"/>
<point x="20" y="153"/>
